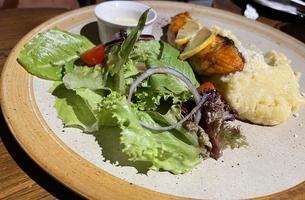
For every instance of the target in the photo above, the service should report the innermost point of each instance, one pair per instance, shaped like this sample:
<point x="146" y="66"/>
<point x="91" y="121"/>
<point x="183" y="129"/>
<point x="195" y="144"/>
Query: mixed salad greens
<point x="95" y="96"/>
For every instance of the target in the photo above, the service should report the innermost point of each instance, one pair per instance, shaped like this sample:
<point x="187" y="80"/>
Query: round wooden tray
<point x="53" y="155"/>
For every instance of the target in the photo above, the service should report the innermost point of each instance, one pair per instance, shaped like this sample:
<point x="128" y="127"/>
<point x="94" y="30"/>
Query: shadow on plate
<point x="91" y="32"/>
<point x="109" y="139"/>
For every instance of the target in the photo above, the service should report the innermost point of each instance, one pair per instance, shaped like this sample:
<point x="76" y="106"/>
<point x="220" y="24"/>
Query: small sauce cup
<point x="113" y="16"/>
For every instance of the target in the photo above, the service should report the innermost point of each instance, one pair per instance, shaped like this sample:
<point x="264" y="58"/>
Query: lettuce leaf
<point x="85" y="77"/>
<point x="94" y="77"/>
<point x="188" y="132"/>
<point x="145" y="50"/>
<point x="89" y="84"/>
<point x="161" y="86"/>
<point x="73" y="110"/>
<point x="162" y="149"/>
<point x="92" y="110"/>
<point x="169" y="58"/>
<point x="50" y="54"/>
<point x="156" y="53"/>
<point x="172" y="116"/>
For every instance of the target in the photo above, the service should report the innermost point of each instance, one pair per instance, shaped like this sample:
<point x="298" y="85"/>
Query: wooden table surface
<point x="20" y="177"/>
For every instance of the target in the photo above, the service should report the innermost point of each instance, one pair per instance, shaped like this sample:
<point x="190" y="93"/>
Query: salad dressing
<point x="125" y="21"/>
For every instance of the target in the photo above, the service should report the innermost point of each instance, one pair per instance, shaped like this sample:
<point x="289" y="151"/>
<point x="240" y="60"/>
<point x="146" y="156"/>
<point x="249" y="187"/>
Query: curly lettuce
<point x="92" y="110"/>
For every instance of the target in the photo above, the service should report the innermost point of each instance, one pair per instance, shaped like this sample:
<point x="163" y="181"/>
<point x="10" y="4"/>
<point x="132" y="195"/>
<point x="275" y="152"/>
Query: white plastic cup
<point x="113" y="16"/>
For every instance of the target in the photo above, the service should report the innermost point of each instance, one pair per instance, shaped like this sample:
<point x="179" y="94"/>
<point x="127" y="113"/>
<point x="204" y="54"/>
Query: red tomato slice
<point x="94" y="56"/>
<point x="205" y="86"/>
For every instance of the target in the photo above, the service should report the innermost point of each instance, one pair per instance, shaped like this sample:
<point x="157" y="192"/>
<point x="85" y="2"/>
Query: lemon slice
<point x="202" y="39"/>
<point x="187" y="31"/>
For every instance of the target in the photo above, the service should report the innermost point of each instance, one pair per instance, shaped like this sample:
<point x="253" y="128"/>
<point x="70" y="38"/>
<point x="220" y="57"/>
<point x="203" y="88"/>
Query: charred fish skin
<point x="219" y="58"/>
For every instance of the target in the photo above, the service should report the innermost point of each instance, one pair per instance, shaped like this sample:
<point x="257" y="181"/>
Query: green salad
<point x="92" y="97"/>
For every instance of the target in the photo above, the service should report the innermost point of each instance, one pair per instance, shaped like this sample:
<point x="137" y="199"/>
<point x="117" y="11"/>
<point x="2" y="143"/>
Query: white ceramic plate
<point x="273" y="162"/>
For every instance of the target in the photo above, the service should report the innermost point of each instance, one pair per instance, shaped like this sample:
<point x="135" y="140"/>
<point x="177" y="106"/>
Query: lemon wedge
<point x="187" y="31"/>
<point x="202" y="39"/>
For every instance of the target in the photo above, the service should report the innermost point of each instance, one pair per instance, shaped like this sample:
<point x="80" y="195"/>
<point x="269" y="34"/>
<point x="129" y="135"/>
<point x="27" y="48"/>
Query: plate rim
<point x="10" y="108"/>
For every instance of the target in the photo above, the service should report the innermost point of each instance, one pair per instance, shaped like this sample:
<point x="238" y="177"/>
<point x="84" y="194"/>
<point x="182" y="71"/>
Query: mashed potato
<point x="266" y="91"/>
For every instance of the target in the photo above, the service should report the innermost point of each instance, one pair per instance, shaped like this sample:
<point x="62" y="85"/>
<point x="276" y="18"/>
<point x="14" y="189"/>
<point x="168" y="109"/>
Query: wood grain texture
<point x="20" y="177"/>
<point x="21" y="183"/>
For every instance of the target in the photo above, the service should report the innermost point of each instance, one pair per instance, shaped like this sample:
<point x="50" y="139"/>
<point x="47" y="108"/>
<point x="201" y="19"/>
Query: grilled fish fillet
<point x="218" y="58"/>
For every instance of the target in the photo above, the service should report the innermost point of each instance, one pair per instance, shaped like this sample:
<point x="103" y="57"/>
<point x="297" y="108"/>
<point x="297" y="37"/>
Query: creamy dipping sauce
<point x="125" y="21"/>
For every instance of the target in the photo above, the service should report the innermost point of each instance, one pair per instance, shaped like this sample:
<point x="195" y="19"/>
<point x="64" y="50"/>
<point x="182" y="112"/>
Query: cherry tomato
<point x="94" y="56"/>
<point x="206" y="86"/>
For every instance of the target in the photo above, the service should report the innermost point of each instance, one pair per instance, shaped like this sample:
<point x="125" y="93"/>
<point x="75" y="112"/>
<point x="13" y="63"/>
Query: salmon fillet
<point x="218" y="58"/>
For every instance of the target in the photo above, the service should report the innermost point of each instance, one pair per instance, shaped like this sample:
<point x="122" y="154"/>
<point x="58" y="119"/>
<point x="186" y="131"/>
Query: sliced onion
<point x="167" y="70"/>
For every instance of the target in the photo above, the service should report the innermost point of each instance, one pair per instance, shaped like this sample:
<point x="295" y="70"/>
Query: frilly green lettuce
<point x="85" y="77"/>
<point x="73" y="110"/>
<point x="162" y="149"/>
<point x="89" y="110"/>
